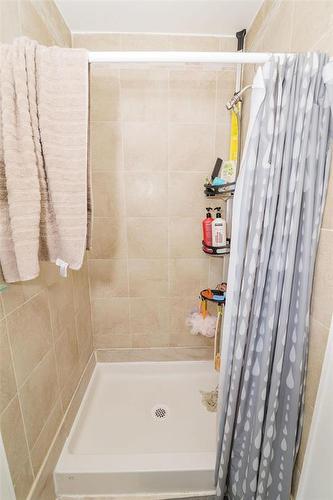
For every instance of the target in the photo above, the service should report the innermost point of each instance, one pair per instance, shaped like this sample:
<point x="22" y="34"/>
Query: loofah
<point x="199" y="325"/>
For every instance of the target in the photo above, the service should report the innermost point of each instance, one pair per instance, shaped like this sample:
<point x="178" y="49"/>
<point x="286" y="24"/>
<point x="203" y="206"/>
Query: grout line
<point x="25" y="302"/>
<point x="19" y="402"/>
<point x="122" y="127"/>
<point x="90" y="302"/>
<point x="317" y="321"/>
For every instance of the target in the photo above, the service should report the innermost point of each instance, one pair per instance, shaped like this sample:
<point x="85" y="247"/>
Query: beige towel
<point x="43" y="157"/>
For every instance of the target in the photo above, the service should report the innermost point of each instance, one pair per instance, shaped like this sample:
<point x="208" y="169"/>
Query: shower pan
<point x="142" y="428"/>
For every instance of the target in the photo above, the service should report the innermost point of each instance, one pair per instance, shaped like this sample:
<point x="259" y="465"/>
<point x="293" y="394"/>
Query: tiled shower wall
<point x="298" y="26"/>
<point x="45" y="325"/>
<point x="155" y="136"/>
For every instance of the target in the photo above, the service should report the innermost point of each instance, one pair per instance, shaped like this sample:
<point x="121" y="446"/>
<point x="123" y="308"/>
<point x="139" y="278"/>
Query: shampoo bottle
<point x="207" y="228"/>
<point x="219" y="233"/>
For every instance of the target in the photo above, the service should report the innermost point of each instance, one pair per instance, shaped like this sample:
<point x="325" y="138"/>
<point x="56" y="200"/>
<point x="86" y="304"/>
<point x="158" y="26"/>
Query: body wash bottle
<point x="207" y="228"/>
<point x="219" y="230"/>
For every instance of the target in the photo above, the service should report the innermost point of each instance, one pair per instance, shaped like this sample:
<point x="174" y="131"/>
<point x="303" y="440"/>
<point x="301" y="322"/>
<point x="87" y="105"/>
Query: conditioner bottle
<point x="219" y="230"/>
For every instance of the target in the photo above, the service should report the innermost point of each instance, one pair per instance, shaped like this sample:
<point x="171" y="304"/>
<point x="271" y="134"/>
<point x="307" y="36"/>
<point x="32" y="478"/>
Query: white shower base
<point x="119" y="446"/>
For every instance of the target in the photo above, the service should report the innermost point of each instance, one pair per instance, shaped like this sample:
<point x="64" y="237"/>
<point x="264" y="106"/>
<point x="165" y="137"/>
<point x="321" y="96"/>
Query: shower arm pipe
<point x="181" y="57"/>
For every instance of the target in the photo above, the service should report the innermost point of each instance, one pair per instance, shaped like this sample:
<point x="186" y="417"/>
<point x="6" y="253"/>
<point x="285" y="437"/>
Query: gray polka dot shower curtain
<point x="277" y="213"/>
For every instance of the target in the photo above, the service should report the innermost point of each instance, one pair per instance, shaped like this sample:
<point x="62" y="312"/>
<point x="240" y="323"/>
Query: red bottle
<point x="207" y="228"/>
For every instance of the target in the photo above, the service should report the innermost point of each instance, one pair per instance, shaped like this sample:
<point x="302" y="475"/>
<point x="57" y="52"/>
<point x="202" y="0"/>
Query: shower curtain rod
<point x="181" y="57"/>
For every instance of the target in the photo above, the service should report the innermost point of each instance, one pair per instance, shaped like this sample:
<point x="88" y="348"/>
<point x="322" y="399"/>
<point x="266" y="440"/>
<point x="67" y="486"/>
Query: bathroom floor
<point x="142" y="428"/>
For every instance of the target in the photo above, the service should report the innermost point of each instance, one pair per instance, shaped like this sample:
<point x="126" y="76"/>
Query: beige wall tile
<point x="275" y="33"/>
<point x="186" y="194"/>
<point x="185" y="235"/>
<point x="311" y="20"/>
<point x="228" y="44"/>
<point x="147" y="237"/>
<point x="77" y="397"/>
<point x="111" y="316"/>
<point x="216" y="271"/>
<point x="49" y="273"/>
<point x="12" y="431"/>
<point x="104" y="92"/>
<point x="146" y="194"/>
<point x="148" y="277"/>
<point x="81" y="287"/>
<point x="109" y="193"/>
<point x="106" y="145"/>
<point x="33" y="26"/>
<point x="222" y="141"/>
<point x="9" y="21"/>
<point x="322" y="294"/>
<point x="17" y="293"/>
<point x="325" y="43"/>
<point x="144" y="94"/>
<point x="188" y="276"/>
<point x="29" y="330"/>
<point x="7" y="377"/>
<point x="145" y="147"/>
<point x="132" y="41"/>
<point x="24" y="481"/>
<point x="191" y="147"/>
<point x="195" y="43"/>
<point x="38" y="396"/>
<point x="108" y="278"/>
<point x="149" y="322"/>
<point x="46" y="436"/>
<point x="2" y="312"/>
<point x="97" y="41"/>
<point x="61" y="305"/>
<point x="109" y="237"/>
<point x="192" y="96"/>
<point x="226" y="83"/>
<point x="154" y="354"/>
<point x="70" y="386"/>
<point x="317" y="345"/>
<point x="66" y="351"/>
<point x="308" y="412"/>
<point x="49" y="13"/>
<point x="109" y="339"/>
<point x="84" y="333"/>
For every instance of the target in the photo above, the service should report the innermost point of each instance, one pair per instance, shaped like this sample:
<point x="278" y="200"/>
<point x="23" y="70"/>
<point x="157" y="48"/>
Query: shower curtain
<point x="278" y="208"/>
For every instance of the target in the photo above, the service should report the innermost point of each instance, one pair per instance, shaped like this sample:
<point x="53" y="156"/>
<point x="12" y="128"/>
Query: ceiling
<point x="221" y="17"/>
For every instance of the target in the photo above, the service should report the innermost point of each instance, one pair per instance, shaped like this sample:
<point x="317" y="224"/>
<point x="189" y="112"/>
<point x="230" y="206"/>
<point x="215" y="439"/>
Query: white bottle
<point x="219" y="231"/>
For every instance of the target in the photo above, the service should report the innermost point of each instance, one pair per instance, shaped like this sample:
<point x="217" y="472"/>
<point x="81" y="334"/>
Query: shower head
<point x="236" y="98"/>
<point x="233" y="101"/>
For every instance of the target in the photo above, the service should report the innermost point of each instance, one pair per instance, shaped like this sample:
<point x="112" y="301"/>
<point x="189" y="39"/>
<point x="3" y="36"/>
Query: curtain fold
<point x="278" y="207"/>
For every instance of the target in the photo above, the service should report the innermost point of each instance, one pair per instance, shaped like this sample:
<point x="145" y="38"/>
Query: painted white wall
<point x="222" y="17"/>
<point x="316" y="482"/>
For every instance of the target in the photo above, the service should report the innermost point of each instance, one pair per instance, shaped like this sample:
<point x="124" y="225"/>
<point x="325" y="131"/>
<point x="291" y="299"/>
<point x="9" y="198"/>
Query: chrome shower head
<point x="233" y="101"/>
<point x="236" y="98"/>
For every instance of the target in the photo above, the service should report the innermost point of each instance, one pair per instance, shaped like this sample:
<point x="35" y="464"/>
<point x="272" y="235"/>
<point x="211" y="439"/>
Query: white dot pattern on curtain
<point x="278" y="209"/>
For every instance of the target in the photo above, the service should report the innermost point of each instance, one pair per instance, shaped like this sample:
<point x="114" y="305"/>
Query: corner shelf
<point x="216" y="251"/>
<point x="225" y="191"/>
<point x="216" y="293"/>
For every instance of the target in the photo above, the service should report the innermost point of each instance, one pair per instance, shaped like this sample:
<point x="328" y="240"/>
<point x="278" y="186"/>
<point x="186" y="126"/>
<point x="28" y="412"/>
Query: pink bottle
<point x="207" y="228"/>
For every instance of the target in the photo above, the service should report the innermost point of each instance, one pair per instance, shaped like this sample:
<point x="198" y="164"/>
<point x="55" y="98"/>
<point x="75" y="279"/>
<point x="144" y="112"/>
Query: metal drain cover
<point x="160" y="412"/>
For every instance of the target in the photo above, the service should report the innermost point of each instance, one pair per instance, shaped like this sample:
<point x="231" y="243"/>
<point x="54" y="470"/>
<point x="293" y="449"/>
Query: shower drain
<point x="160" y="412"/>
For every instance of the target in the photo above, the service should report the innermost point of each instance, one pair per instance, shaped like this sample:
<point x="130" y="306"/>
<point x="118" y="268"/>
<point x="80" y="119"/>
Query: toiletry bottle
<point x="219" y="230"/>
<point x="207" y="228"/>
